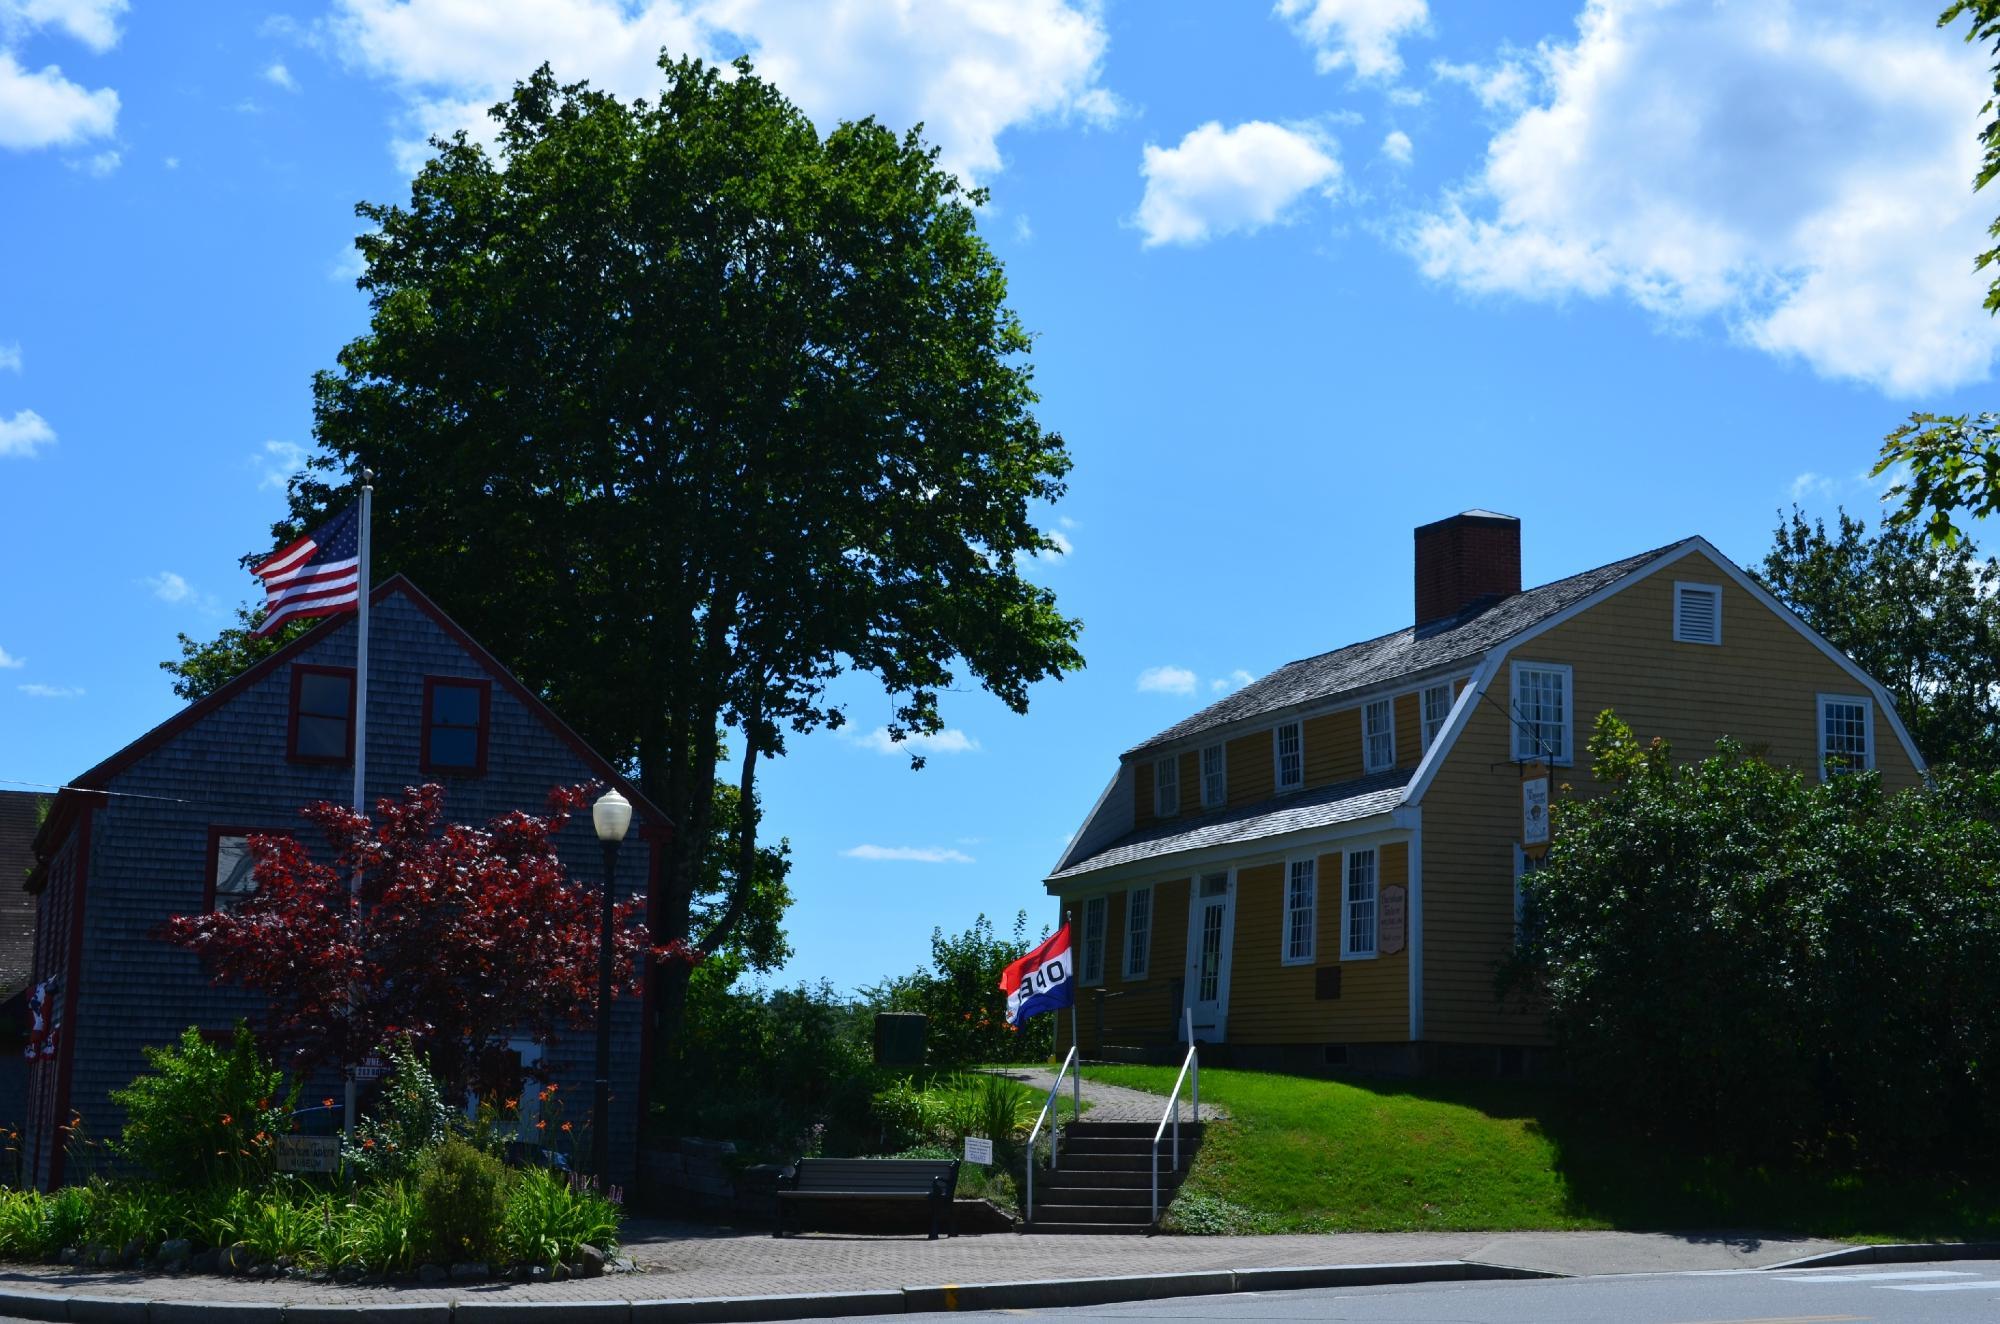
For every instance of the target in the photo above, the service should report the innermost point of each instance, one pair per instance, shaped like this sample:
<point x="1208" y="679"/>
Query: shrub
<point x="385" y="1229"/>
<point x="24" y="1231"/>
<point x="120" y="1215"/>
<point x="960" y="993"/>
<point x="550" y="1219"/>
<point x="411" y="1116"/>
<point x="463" y="1195"/>
<point x="205" y="1115"/>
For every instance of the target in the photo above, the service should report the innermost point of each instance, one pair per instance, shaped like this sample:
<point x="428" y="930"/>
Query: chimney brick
<point x="1467" y="559"/>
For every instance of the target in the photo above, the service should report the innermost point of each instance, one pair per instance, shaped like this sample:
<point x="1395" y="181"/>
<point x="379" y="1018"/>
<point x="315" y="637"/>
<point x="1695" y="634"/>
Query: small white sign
<point x="372" y="1068"/>
<point x="308" y="1153"/>
<point x="978" y="1149"/>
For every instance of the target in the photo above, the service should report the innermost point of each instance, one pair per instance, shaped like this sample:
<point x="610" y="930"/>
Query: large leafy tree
<point x="1921" y="617"/>
<point x="685" y="411"/>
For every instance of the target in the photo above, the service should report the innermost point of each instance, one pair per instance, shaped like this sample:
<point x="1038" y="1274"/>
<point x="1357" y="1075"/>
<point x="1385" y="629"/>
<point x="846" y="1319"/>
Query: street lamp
<point x="611" y="815"/>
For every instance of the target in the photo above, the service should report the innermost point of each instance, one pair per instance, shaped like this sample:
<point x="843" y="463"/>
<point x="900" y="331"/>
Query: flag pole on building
<point x="360" y="744"/>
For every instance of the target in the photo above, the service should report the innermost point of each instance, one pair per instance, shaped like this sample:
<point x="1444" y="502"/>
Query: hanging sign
<point x="979" y="1149"/>
<point x="1395" y="918"/>
<point x="1534" y="810"/>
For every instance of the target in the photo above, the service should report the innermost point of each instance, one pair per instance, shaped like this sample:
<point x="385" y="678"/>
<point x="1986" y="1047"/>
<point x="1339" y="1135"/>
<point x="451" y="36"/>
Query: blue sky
<point x="1302" y="277"/>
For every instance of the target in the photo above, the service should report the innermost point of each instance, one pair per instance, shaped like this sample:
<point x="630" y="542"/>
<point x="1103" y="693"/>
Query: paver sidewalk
<point x="683" y="1261"/>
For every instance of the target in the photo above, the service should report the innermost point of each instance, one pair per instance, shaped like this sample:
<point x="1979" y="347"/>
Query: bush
<point x="960" y="993"/>
<point x="385" y="1229"/>
<point x="205" y="1115"/>
<point x="411" y="1116"/>
<point x="550" y="1219"/>
<point x="462" y="1193"/>
<point x="1745" y="959"/>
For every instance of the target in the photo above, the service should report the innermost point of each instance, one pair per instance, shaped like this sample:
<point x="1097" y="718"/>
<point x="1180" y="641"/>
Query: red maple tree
<point x="459" y="937"/>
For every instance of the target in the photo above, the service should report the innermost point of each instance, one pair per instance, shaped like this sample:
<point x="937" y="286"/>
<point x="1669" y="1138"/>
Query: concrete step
<point x="1127" y="1215"/>
<point x="1132" y="1130"/>
<point x="1113" y="1180"/>
<point x="1046" y="1227"/>
<point x="1122" y="1162"/>
<point x="1135" y="1198"/>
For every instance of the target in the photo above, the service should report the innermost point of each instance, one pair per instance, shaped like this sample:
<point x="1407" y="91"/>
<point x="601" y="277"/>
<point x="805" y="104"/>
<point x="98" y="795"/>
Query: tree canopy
<point x="685" y="411"/>
<point x="1921" y="617"/>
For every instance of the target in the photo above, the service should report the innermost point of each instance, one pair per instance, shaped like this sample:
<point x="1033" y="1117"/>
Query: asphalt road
<point x="1891" y="1293"/>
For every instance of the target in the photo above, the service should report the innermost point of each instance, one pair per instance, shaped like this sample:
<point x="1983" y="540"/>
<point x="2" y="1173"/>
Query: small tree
<point x="205" y="1114"/>
<point x="461" y="936"/>
<point x="960" y="993"/>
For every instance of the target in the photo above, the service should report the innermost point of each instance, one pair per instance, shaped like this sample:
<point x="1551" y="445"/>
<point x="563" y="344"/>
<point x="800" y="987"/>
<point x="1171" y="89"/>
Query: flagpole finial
<point x="367" y="477"/>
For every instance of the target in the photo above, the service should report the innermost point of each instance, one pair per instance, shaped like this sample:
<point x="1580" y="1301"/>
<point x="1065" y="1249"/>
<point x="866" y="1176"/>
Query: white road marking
<point x="1989" y="1284"/>
<point x="1873" y="1277"/>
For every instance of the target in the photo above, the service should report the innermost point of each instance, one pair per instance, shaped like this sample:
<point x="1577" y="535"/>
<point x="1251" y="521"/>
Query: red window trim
<point x="216" y="833"/>
<point x="480" y="742"/>
<point x="300" y="670"/>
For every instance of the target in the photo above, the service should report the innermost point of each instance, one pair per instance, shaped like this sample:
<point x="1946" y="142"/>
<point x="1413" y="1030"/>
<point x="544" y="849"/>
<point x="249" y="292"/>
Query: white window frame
<point x="1100" y="907"/>
<point x="1348" y="951"/>
<point x="1286" y="956"/>
<point x="1867" y="706"/>
<point x="1221" y="778"/>
<point x="1715" y="591"/>
<point x="1139" y="944"/>
<point x="1431" y="731"/>
<point x="1387" y="707"/>
<point x="1518" y="672"/>
<point x="1278" y="781"/>
<point x="1163" y="807"/>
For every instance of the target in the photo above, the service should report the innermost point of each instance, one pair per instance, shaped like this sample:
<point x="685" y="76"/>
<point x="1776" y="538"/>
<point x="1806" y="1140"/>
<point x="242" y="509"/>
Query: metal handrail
<point x="1172" y="1112"/>
<point x="1055" y="1134"/>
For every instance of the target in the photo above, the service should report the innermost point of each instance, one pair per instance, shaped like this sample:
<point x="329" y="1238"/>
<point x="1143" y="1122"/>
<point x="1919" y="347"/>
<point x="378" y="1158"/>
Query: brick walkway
<point x="1109" y="1103"/>
<point x="680" y="1261"/>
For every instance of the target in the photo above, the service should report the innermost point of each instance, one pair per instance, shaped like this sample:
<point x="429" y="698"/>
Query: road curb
<point x="1047" y="1293"/>
<point x="1909" y="1252"/>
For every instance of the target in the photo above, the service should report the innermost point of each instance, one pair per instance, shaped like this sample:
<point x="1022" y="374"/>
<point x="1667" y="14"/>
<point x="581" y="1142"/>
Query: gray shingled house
<point x="158" y="830"/>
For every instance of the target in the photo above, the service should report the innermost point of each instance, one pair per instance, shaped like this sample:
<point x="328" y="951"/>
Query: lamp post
<point x="611" y="816"/>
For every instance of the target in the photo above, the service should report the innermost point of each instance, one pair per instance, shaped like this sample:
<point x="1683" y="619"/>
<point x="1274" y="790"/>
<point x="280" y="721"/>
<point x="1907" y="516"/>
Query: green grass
<point x="1307" y="1155"/>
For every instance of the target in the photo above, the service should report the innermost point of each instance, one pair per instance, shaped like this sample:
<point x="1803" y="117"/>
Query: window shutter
<point x="1697" y="614"/>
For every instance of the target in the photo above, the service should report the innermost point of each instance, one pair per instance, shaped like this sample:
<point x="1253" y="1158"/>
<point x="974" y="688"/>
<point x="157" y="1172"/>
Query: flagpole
<point x="360" y="741"/>
<point x="1076" y="1080"/>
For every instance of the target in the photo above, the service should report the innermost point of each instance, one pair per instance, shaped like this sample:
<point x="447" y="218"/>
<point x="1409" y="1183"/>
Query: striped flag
<point x="319" y="575"/>
<point x="1040" y="981"/>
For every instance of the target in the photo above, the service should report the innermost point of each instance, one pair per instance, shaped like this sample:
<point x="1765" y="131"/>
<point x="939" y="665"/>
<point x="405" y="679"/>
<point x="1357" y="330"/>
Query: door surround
<point x="1211" y="1018"/>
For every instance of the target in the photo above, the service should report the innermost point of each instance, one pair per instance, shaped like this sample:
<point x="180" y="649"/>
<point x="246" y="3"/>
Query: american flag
<point x="319" y="575"/>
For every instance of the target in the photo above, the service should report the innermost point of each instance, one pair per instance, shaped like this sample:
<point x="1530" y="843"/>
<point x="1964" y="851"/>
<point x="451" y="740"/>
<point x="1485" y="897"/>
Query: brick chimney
<point x="1468" y="559"/>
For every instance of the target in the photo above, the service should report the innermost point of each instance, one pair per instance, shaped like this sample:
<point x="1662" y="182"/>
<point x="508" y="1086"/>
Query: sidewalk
<point x="683" y="1262"/>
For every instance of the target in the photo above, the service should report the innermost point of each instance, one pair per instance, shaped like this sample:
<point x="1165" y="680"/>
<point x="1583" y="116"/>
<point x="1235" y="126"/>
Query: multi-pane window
<point x="455" y="725"/>
<point x="1379" y="743"/>
<point x="1288" y="744"/>
<point x="322" y="714"/>
<point x="1208" y="970"/>
<point x="1360" y="926"/>
<point x="1138" y="931"/>
<point x="1093" y="939"/>
<point x="1167" y="786"/>
<point x="1541" y="712"/>
<point x="233" y="880"/>
<point x="1301" y="910"/>
<point x="1844" y="744"/>
<point x="1437" y="711"/>
<point x="1214" y="777"/>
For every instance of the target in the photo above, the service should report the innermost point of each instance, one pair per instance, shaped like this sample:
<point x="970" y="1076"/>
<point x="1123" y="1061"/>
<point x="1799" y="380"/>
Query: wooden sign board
<point x="979" y="1149"/>
<point x="1395" y="919"/>
<point x="308" y="1153"/>
<point x="1535" y="810"/>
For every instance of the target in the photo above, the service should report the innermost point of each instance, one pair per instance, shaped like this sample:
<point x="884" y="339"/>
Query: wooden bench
<point x="825" y="1180"/>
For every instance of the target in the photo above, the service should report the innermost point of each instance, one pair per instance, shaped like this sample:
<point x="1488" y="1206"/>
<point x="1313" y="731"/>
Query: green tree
<point x="960" y="992"/>
<point x="1750" y="960"/>
<point x="686" y="411"/>
<point x="1922" y="618"/>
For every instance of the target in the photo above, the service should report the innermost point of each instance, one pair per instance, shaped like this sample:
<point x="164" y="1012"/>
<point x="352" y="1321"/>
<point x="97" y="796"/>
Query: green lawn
<point x="1306" y="1155"/>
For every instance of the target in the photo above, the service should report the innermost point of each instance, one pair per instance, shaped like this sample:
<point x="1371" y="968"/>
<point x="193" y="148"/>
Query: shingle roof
<point x="1322" y="806"/>
<point x="1407" y="652"/>
<point x="19" y="818"/>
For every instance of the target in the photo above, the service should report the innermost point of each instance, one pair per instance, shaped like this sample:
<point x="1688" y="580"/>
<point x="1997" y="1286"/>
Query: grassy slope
<point x="1317" y="1155"/>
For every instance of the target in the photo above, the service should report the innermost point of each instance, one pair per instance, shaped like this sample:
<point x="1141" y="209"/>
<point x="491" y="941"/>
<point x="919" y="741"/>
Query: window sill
<point x="1308" y="959"/>
<point x="1360" y="956"/>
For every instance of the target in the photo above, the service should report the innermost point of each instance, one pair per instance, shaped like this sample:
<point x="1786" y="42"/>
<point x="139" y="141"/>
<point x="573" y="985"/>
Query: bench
<point x="826" y="1180"/>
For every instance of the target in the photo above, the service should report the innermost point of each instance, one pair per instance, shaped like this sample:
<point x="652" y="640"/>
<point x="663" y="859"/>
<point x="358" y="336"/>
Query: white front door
<point x="1211" y="924"/>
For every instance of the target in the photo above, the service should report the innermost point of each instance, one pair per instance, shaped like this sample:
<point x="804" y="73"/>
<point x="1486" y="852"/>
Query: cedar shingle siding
<point x="147" y="860"/>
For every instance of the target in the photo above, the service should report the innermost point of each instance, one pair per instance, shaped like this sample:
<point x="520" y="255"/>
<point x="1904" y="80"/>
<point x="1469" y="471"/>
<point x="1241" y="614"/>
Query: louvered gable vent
<point x="1697" y="614"/>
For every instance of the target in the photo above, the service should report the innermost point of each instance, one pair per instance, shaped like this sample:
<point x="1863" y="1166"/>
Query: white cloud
<point x="172" y="163"/>
<point x="1809" y="484"/>
<point x="51" y="691"/>
<point x="1166" y="680"/>
<point x="1221" y="181"/>
<point x="10" y="358"/>
<point x="21" y="434"/>
<point x="92" y="22"/>
<point x="278" y="75"/>
<point x="9" y="662"/>
<point x="277" y="462"/>
<point x="909" y="854"/>
<point x="1799" y="177"/>
<point x="970" y="70"/>
<point x="1397" y="147"/>
<point x="44" y="109"/>
<point x="948" y="741"/>
<point x="168" y="586"/>
<point x="1235" y="680"/>
<point x="101" y="165"/>
<point x="1361" y="34"/>
<point x="1505" y="84"/>
<point x="1024" y="230"/>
